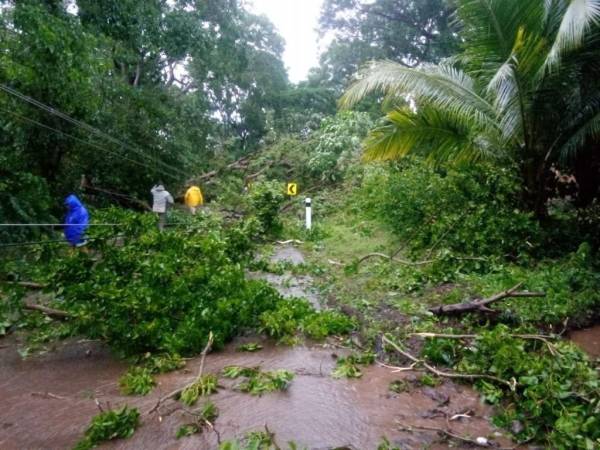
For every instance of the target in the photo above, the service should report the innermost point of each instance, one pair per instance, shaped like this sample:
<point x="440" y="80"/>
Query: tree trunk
<point x="535" y="193"/>
<point x="587" y="174"/>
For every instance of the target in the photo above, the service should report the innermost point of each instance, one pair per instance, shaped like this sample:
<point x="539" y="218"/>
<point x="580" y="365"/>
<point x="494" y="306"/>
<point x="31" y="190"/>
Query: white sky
<point x="296" y="21"/>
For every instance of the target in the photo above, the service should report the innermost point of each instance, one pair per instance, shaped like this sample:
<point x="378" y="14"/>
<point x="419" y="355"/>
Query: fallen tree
<point x="481" y="305"/>
<point x="50" y="312"/>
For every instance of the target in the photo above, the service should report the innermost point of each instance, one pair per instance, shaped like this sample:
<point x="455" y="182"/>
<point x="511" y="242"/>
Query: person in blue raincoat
<point x="76" y="221"/>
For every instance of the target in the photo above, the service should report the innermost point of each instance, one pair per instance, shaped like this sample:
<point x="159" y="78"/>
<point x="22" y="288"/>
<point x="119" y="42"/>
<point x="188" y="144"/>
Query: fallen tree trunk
<point x="394" y="259"/>
<point x="481" y="305"/>
<point x="28" y="284"/>
<point x="50" y="312"/>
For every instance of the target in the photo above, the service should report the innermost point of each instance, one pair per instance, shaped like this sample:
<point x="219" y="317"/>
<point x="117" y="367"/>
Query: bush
<point x="571" y="285"/>
<point x="338" y="145"/>
<point x="266" y="199"/>
<point x="468" y="211"/>
<point x="24" y="198"/>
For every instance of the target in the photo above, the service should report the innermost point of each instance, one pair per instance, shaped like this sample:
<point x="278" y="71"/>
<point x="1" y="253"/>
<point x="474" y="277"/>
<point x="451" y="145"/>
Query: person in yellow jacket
<point x="193" y="198"/>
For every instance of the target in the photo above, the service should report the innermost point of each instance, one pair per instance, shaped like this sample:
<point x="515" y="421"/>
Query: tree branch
<point x="510" y="384"/>
<point x="176" y="392"/>
<point x="481" y="304"/>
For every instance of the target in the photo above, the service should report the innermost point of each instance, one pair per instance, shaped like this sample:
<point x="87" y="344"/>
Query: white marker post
<point x="307" y="202"/>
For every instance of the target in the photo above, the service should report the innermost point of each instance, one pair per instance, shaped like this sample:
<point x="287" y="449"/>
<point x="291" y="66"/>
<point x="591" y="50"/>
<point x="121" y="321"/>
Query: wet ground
<point x="588" y="339"/>
<point x="289" y="285"/>
<point x="48" y="400"/>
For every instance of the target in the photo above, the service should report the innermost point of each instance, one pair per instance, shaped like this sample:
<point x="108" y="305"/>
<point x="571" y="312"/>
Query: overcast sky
<point x="296" y="21"/>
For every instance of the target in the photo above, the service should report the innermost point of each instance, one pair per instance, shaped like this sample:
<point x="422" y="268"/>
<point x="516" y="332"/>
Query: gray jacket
<point x="160" y="198"/>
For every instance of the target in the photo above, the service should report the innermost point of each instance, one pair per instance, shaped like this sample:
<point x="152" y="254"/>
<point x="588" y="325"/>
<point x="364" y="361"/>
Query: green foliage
<point x="161" y="292"/>
<point x="497" y="99"/>
<point x="206" y="385"/>
<point x="571" y="285"/>
<point x="399" y="386"/>
<point x="113" y="424"/>
<point x="347" y="367"/>
<point x="467" y="211"/>
<point x="256" y="440"/>
<point x="337" y="145"/>
<point x="386" y="445"/>
<point x="266" y="199"/>
<point x="164" y="363"/>
<point x="441" y="351"/>
<point x="137" y="381"/>
<point x="238" y="371"/>
<point x="188" y="429"/>
<point x="295" y="315"/>
<point x="25" y="199"/>
<point x="557" y="390"/>
<point x="364" y="34"/>
<point x="429" y="380"/>
<point x="207" y="414"/>
<point x="258" y="382"/>
<point x="250" y="347"/>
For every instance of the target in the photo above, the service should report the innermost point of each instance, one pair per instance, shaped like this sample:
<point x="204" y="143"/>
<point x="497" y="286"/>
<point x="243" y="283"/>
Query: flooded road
<point x="48" y="401"/>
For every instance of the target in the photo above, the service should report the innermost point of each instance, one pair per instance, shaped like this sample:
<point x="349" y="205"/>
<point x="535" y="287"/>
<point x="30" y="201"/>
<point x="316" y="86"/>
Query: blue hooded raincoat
<point x="76" y="220"/>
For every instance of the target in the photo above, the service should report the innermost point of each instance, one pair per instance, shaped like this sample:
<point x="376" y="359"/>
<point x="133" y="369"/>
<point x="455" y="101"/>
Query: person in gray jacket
<point x="160" y="199"/>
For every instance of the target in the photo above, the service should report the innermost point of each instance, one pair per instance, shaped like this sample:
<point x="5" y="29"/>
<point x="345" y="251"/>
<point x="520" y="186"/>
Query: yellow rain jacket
<point x="193" y="197"/>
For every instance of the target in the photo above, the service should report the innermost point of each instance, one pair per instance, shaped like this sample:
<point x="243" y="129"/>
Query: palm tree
<point x="525" y="89"/>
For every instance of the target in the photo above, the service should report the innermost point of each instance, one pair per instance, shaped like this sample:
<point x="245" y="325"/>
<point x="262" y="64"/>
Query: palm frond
<point x="443" y="86"/>
<point x="490" y="28"/>
<point x="429" y="133"/>
<point x="584" y="125"/>
<point x="578" y="17"/>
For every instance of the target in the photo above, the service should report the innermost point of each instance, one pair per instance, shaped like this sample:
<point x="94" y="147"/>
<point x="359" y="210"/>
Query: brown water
<point x="588" y="339"/>
<point x="47" y="402"/>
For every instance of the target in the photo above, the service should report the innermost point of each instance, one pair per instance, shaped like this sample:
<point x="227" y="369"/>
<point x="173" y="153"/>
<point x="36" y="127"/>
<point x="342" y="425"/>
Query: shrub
<point x="266" y="199"/>
<point x="338" y="144"/>
<point x="468" y="211"/>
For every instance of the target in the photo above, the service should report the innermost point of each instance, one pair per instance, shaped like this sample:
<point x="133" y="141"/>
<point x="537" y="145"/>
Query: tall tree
<point x="408" y="32"/>
<point x="524" y="89"/>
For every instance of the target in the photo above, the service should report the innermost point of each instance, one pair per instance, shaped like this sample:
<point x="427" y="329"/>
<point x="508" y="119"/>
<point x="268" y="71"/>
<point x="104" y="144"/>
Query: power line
<point x="96" y="146"/>
<point x="55" y="241"/>
<point x="62" y="224"/>
<point x="85" y="126"/>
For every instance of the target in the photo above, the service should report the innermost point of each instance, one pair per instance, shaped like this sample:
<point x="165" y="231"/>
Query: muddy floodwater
<point x="588" y="339"/>
<point x="47" y="402"/>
